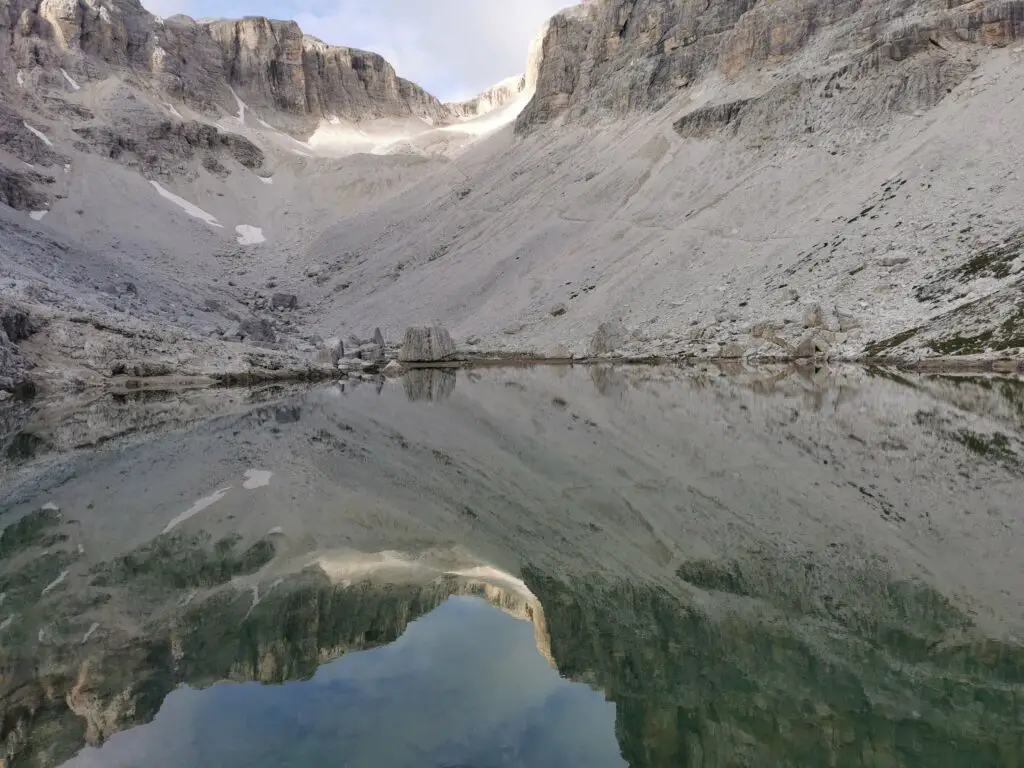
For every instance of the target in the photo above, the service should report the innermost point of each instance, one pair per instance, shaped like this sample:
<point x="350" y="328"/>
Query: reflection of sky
<point x="464" y="686"/>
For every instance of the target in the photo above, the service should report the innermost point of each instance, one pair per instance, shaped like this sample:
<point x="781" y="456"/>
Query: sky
<point x="453" y="48"/>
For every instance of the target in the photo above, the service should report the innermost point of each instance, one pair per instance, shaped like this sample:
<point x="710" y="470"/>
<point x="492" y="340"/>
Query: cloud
<point x="453" y="48"/>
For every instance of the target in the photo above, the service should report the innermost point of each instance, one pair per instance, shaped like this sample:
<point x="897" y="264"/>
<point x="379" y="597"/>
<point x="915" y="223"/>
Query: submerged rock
<point x="428" y="344"/>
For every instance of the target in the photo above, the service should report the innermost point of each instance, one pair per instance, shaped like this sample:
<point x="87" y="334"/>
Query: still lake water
<point x="519" y="567"/>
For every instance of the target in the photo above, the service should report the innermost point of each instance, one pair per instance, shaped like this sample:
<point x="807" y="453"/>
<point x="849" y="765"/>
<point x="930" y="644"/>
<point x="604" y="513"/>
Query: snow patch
<point x="6" y="622"/>
<point x="56" y="582"/>
<point x="21" y="78"/>
<point x="265" y="124"/>
<point x="173" y="111"/>
<point x="37" y="215"/>
<point x="256" y="478"/>
<point x="267" y="179"/>
<point x="67" y="167"/>
<point x="195" y="509"/>
<point x="249" y="235"/>
<point x="71" y="81"/>
<point x="38" y="134"/>
<point x="50" y="506"/>
<point x="92" y="630"/>
<point x="185" y="205"/>
<point x="241" y="106"/>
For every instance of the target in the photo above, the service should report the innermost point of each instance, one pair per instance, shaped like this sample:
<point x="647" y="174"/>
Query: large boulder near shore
<point x="431" y="344"/>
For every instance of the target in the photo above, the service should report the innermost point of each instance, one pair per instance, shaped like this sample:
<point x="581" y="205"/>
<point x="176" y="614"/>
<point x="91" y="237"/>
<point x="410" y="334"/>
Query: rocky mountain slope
<point x="666" y="179"/>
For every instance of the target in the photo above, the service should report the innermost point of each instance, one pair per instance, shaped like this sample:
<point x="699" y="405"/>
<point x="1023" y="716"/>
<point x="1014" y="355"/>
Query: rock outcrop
<point x="614" y="56"/>
<point x="15" y="326"/>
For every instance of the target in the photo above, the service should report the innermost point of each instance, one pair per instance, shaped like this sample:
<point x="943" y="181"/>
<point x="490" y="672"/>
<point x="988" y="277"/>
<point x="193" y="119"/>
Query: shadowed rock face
<point x="622" y="55"/>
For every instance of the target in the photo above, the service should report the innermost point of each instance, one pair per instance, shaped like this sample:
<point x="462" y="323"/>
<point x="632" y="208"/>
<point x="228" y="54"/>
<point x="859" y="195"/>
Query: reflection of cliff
<point x="60" y="696"/>
<point x="753" y="662"/>
<point x="777" y="686"/>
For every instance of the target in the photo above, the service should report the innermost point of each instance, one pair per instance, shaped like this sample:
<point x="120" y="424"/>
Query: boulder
<point x="15" y="322"/>
<point x="284" y="301"/>
<point x="393" y="369"/>
<point x="610" y="336"/>
<point x="330" y="351"/>
<point x="811" y="345"/>
<point x="372" y="353"/>
<point x="558" y="309"/>
<point x="428" y="344"/>
<point x="378" y="338"/>
<point x="257" y="331"/>
<point x="732" y="351"/>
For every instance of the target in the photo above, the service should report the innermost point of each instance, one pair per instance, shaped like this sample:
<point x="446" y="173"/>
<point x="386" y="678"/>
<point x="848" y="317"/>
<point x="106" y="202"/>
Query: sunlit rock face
<point x="621" y="55"/>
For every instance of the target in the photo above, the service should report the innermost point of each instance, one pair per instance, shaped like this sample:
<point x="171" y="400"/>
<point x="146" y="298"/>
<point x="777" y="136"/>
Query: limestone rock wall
<point x="269" y="64"/>
<point x="614" y="56"/>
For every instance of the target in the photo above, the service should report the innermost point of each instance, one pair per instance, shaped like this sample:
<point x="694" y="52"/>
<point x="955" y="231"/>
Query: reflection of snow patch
<point x="39" y="134"/>
<point x="37" y="215"/>
<point x="56" y="582"/>
<point x="267" y="179"/>
<point x="50" y="507"/>
<point x="248" y="235"/>
<point x="92" y="630"/>
<point x="199" y="506"/>
<point x="277" y="530"/>
<point x="241" y="106"/>
<point x="491" y="575"/>
<point x="256" y="478"/>
<point x="6" y="622"/>
<point x="21" y="78"/>
<point x="67" y="167"/>
<point x="71" y="81"/>
<point x="185" y="205"/>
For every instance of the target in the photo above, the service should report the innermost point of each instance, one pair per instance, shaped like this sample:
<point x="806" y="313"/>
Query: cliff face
<point x="490" y="99"/>
<point x="270" y="64"/>
<point x="614" y="56"/>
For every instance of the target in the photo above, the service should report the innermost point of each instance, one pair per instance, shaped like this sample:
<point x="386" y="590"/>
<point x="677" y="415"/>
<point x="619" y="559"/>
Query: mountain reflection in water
<point x="599" y="566"/>
<point x="464" y="685"/>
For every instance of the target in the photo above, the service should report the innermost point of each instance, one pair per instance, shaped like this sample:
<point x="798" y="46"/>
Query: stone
<point x="287" y="301"/>
<point x="378" y="338"/>
<point x="806" y="346"/>
<point x="814" y="316"/>
<point x="257" y="330"/>
<point x="609" y="337"/>
<point x="372" y="353"/>
<point x="847" y="322"/>
<point x="428" y="344"/>
<point x="732" y="351"/>
<point x="894" y="259"/>
<point x="15" y="322"/>
<point x="393" y="369"/>
<point x="558" y="309"/>
<point x="330" y="351"/>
